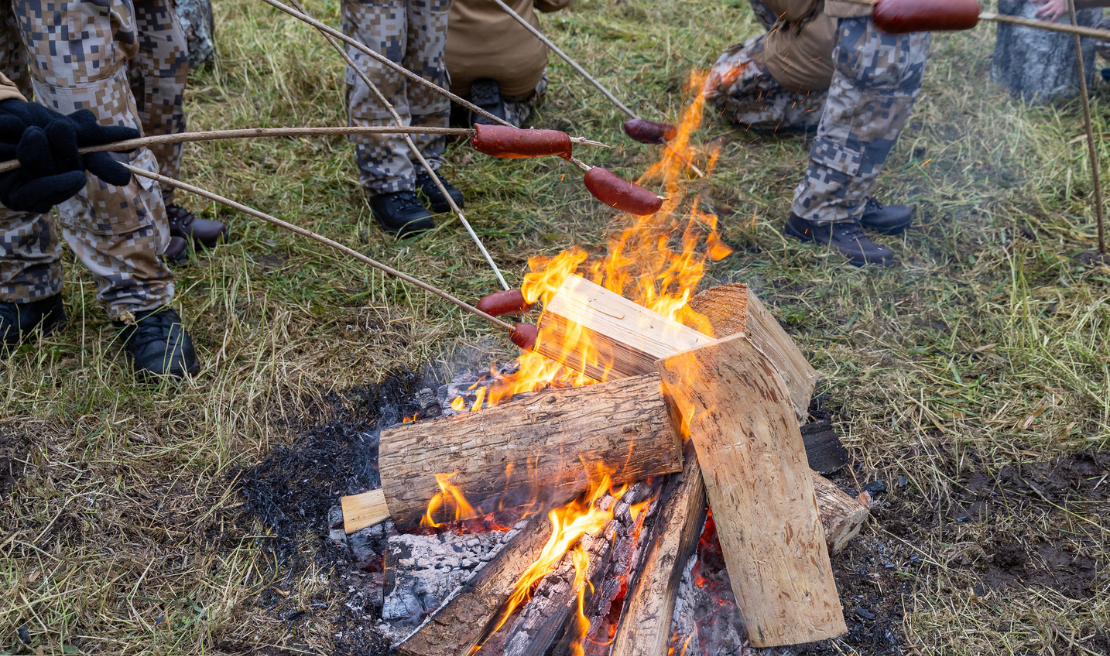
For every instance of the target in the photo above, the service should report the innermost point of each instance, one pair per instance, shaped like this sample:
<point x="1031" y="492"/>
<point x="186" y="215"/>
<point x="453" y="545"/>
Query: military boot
<point x="437" y="202"/>
<point x="18" y="321"/>
<point x="185" y="224"/>
<point x="847" y="238"/>
<point x="158" y="345"/>
<point x="892" y="220"/>
<point x="401" y="213"/>
<point x="486" y="94"/>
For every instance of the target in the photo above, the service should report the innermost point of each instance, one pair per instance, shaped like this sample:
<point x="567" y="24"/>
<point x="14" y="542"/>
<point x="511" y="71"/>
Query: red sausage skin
<point x="507" y="302"/>
<point x="904" y="16"/>
<point x="617" y="192"/>
<point x="524" y="335"/>
<point x="514" y="143"/>
<point x="649" y="132"/>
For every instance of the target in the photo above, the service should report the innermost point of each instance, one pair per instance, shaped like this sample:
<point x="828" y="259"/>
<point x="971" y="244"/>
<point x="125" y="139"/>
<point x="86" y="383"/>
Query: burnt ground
<point x="14" y="451"/>
<point x="880" y="575"/>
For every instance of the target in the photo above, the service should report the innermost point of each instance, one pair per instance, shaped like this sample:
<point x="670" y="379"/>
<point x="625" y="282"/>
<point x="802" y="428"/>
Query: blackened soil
<point x="13" y="460"/>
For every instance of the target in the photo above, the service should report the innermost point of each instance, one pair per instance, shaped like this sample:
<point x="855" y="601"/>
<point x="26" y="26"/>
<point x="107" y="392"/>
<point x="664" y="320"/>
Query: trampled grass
<point x="988" y="346"/>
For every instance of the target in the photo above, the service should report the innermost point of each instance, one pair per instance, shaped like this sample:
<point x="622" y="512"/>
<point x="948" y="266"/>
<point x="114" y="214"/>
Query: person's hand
<point x="46" y="144"/>
<point x="1051" y="9"/>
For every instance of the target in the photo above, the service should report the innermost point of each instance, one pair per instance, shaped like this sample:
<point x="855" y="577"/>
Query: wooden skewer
<point x="1091" y="149"/>
<point x="581" y="71"/>
<point x="161" y="179"/>
<point x="399" y="122"/>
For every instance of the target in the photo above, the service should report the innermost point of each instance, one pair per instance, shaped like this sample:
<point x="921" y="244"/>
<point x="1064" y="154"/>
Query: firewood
<point x="842" y="515"/>
<point x="733" y="309"/>
<point x="362" y="510"/>
<point x="462" y="622"/>
<point x="760" y="488"/>
<point x="823" y="448"/>
<point x="645" y="627"/>
<point x="507" y="454"/>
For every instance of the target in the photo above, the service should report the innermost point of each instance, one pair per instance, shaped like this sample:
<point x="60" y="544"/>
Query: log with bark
<point x="537" y="449"/>
<point x="739" y="416"/>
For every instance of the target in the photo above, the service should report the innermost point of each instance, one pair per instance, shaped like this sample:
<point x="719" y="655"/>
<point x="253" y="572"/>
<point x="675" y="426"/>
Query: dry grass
<point x="984" y="349"/>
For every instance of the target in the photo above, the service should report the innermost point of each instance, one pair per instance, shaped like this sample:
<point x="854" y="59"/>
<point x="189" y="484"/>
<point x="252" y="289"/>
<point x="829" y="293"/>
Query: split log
<point x="842" y="515"/>
<point x="645" y="627"/>
<point x="760" y="487"/>
<point x="618" y="337"/>
<point x="362" y="510"/>
<point x="462" y="622"/>
<point x="505" y="455"/>
<point x="823" y="448"/>
<point x="733" y="309"/>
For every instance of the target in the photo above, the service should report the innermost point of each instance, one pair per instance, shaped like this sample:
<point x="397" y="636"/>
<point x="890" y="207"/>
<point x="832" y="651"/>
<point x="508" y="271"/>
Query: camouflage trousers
<point x="740" y="86"/>
<point x="519" y="111"/>
<point x="81" y="54"/>
<point x="877" y="79"/>
<point x="412" y="33"/>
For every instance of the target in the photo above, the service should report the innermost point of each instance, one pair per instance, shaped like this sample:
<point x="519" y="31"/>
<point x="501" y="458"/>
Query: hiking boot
<point x="486" y="94"/>
<point x="437" y="201"/>
<point x="19" y="320"/>
<point x="187" y="225"/>
<point x="158" y="344"/>
<point x="848" y="238"/>
<point x="891" y="220"/>
<point x="401" y="213"/>
<point x="176" y="250"/>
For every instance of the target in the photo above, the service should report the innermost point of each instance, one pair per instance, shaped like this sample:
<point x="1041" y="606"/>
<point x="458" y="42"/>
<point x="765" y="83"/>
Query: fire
<point x="447" y="491"/>
<point x="656" y="261"/>
<point x="406" y="420"/>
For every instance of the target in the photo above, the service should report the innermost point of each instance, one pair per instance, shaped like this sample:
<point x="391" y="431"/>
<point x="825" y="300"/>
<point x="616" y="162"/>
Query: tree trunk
<point x="1036" y="65"/>
<point x="530" y="450"/>
<point x="760" y="488"/>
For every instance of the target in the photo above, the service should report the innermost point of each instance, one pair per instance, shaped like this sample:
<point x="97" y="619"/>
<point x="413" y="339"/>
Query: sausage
<point x="617" y="192"/>
<point x="524" y="335"/>
<point x="904" y="16"/>
<point x="649" y="132"/>
<point x="514" y="143"/>
<point x="507" y="302"/>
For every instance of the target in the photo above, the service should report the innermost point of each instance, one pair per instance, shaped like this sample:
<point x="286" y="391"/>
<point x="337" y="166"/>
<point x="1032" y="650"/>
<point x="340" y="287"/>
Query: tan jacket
<point x="8" y="89"/>
<point x="483" y="41"/>
<point x="799" y="55"/>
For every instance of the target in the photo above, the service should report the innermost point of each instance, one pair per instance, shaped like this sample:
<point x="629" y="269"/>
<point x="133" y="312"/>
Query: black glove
<point x="46" y="142"/>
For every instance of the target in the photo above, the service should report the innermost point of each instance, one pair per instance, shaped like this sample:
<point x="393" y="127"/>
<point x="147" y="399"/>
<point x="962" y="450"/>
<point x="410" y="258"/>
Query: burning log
<point x="736" y="408"/>
<point x="621" y="338"/>
<point x="506" y="455"/>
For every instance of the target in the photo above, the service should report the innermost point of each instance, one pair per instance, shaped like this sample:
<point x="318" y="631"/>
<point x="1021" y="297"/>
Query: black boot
<point x="847" y="238"/>
<point x="486" y="94"/>
<point x="891" y="220"/>
<point x="19" y="320"/>
<point x="185" y="224"/>
<point x="401" y="213"/>
<point x="436" y="200"/>
<point x="158" y="344"/>
<point x="176" y="250"/>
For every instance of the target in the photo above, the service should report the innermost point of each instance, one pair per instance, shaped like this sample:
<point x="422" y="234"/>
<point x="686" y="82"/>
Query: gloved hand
<point x="46" y="143"/>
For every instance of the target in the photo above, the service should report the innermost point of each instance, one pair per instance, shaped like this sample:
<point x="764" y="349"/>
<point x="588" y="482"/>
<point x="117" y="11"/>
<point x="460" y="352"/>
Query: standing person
<point x="493" y="61"/>
<point x="157" y="76"/>
<point x="74" y="55"/>
<point x="412" y="33"/>
<point x="876" y="79"/>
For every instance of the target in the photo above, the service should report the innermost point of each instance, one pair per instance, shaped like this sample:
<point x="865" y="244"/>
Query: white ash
<point x="423" y="570"/>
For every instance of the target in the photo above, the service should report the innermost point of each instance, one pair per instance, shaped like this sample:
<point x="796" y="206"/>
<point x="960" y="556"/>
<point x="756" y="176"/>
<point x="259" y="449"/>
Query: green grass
<point x="981" y="349"/>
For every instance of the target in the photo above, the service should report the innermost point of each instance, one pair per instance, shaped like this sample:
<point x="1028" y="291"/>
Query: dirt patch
<point x="14" y="451"/>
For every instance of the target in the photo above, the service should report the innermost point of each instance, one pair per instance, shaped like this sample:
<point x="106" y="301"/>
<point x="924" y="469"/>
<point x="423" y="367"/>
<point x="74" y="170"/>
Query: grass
<point x="984" y="349"/>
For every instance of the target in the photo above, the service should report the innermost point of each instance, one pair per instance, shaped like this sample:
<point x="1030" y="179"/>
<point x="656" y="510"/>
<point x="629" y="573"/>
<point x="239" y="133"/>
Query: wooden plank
<point x="760" y="487"/>
<point x="505" y="455"/>
<point x="645" y="626"/>
<point x="625" y="339"/>
<point x="362" y="510"/>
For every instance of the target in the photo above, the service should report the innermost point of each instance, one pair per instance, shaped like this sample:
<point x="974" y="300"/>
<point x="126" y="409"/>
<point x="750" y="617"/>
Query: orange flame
<point x="447" y="491"/>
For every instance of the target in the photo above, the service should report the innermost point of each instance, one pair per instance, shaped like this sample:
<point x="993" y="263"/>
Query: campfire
<point x="556" y="504"/>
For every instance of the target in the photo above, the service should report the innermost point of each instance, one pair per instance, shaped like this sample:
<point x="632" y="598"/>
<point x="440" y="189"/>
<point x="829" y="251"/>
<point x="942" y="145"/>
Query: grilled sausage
<point x="524" y="335"/>
<point x="649" y="132"/>
<point x="514" y="143"/>
<point x="507" y="302"/>
<point x="904" y="16"/>
<point x="617" y="192"/>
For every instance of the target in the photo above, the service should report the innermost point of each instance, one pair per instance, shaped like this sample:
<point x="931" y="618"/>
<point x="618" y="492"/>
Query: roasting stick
<point x="184" y="186"/>
<point x="1091" y="150"/>
<point x="399" y="122"/>
<point x="581" y="71"/>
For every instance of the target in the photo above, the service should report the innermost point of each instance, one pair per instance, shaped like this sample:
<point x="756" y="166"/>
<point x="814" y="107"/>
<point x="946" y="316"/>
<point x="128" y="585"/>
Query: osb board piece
<point x="734" y="309"/>
<point x="510" y="454"/>
<point x="760" y="488"/>
<point x="625" y="338"/>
